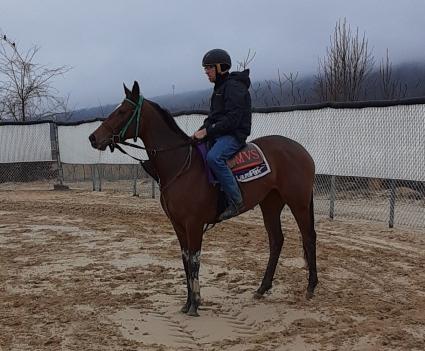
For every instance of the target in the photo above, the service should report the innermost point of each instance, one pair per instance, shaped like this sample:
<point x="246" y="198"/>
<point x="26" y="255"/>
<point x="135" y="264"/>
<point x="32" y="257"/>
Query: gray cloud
<point x="161" y="43"/>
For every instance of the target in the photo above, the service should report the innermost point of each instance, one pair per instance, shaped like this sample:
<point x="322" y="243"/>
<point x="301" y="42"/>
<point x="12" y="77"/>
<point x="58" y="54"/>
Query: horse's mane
<point x="169" y="119"/>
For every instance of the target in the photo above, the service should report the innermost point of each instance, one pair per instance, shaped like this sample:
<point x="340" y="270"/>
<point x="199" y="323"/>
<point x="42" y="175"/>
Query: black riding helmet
<point x="218" y="58"/>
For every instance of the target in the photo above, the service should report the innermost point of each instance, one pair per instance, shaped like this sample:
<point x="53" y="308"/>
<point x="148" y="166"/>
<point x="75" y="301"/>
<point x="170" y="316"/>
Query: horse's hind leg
<point x="271" y="207"/>
<point x="304" y="215"/>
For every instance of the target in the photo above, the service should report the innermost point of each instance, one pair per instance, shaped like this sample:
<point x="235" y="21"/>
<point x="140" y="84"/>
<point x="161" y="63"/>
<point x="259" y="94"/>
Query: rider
<point x="228" y="123"/>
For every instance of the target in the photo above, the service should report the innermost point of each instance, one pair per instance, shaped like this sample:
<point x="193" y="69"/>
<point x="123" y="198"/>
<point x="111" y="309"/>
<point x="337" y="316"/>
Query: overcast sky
<point x="161" y="43"/>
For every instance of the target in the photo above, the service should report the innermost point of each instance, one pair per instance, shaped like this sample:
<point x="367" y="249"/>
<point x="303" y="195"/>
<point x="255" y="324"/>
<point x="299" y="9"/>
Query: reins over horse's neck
<point x="158" y="133"/>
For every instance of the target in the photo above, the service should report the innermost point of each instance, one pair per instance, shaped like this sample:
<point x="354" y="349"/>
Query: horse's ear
<point x="127" y="91"/>
<point x="136" y="90"/>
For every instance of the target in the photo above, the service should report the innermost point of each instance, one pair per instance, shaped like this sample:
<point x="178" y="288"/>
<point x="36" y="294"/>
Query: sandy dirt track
<point x="102" y="271"/>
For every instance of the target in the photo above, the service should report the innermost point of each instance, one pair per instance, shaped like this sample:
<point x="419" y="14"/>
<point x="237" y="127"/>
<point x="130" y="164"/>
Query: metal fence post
<point x="153" y="188"/>
<point x="332" y="198"/>
<point x="100" y="177"/>
<point x="93" y="176"/>
<point x="392" y="203"/>
<point x="135" y="173"/>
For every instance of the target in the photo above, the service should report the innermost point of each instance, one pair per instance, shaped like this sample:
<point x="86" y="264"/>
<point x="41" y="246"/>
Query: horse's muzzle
<point x="93" y="142"/>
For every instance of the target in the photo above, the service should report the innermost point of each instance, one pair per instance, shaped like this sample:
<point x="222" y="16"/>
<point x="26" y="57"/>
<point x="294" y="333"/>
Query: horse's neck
<point x="160" y="136"/>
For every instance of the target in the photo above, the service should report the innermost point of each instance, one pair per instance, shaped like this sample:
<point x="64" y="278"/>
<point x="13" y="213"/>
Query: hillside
<point x="410" y="78"/>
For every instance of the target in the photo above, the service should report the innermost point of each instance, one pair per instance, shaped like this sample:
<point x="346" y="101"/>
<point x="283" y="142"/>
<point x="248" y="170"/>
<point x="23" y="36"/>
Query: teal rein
<point x="136" y="115"/>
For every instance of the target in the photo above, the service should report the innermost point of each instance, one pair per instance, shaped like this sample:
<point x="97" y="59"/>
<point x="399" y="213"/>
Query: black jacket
<point x="230" y="109"/>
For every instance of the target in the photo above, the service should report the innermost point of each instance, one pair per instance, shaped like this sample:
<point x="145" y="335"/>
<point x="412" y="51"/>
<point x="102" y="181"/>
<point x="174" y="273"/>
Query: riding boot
<point x="224" y="147"/>
<point x="235" y="203"/>
<point x="234" y="209"/>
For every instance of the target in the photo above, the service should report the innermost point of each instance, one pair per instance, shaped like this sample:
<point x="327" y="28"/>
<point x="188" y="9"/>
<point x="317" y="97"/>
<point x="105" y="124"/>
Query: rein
<point x="149" y="150"/>
<point x="117" y="139"/>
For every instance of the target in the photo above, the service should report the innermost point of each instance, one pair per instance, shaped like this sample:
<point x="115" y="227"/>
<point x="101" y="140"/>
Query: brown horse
<point x="190" y="201"/>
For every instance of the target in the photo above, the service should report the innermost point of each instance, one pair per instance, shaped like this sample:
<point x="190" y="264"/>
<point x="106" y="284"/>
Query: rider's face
<point x="211" y="73"/>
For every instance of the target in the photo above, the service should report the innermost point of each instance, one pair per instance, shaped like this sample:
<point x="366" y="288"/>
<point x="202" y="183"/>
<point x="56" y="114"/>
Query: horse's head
<point x="122" y="123"/>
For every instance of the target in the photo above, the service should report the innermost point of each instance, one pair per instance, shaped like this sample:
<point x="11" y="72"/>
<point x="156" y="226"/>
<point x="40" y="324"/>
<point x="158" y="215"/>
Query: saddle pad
<point x="249" y="163"/>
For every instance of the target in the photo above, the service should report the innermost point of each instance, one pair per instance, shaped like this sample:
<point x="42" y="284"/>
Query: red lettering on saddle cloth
<point x="254" y="154"/>
<point x="238" y="159"/>
<point x="245" y="155"/>
<point x="246" y="158"/>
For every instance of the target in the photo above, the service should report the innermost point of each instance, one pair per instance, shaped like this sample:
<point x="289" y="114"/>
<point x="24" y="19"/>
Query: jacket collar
<point x="220" y="79"/>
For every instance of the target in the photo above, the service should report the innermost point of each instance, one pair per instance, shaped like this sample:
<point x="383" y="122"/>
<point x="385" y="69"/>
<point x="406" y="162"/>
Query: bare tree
<point x="256" y="90"/>
<point x="279" y="99"/>
<point x="26" y="90"/>
<point x="242" y="65"/>
<point x="345" y="67"/>
<point x="391" y="87"/>
<point x="292" y="79"/>
<point x="274" y="90"/>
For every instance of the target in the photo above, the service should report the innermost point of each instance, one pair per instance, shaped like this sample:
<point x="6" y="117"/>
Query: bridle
<point x="117" y="138"/>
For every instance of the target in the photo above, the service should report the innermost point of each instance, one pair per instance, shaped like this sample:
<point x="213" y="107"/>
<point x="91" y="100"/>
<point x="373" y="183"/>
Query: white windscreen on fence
<point x="374" y="142"/>
<point x="25" y="143"/>
<point x="74" y="147"/>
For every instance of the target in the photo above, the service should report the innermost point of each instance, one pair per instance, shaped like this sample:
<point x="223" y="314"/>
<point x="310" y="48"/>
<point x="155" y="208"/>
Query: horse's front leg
<point x="194" y="290"/>
<point x="191" y="263"/>
<point x="185" y="258"/>
<point x="190" y="238"/>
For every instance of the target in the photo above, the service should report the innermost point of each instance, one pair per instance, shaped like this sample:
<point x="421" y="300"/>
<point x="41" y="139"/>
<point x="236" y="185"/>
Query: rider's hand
<point x="200" y="134"/>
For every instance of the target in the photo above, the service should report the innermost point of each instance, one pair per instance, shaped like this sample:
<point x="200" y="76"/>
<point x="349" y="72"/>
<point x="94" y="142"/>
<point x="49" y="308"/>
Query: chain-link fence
<point x="131" y="179"/>
<point x="396" y="202"/>
<point x="28" y="155"/>
<point x="370" y="160"/>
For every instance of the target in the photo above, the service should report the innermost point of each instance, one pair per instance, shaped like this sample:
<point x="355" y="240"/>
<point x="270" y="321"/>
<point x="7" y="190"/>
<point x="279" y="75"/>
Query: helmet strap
<point x="218" y="69"/>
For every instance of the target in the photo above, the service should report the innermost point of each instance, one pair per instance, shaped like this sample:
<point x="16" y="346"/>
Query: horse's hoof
<point x="309" y="295"/>
<point x="184" y="309"/>
<point x="258" y="295"/>
<point x="192" y="312"/>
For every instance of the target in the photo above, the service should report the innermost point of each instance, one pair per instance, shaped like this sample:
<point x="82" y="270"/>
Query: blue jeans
<point x="222" y="150"/>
